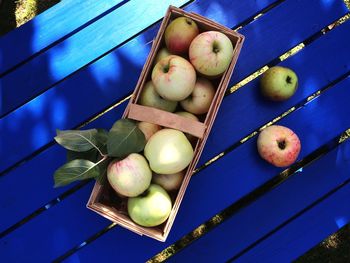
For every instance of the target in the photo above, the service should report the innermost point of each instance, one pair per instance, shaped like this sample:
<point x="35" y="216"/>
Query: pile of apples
<point x="181" y="82"/>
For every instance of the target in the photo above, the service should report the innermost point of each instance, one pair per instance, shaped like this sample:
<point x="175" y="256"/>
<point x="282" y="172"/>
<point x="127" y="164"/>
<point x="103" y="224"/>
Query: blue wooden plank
<point x="52" y="236"/>
<point x="238" y="173"/>
<point x="139" y="238"/>
<point x="100" y="76"/>
<point x="78" y="50"/>
<point x="20" y="204"/>
<point x="47" y="28"/>
<point x="90" y="87"/>
<point x="288" y="32"/>
<point x="306" y="231"/>
<point x="36" y="174"/>
<point x="309" y="65"/>
<point x="272" y="210"/>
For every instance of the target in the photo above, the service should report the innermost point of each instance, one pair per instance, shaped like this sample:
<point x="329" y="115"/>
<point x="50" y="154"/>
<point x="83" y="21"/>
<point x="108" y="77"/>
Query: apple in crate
<point x="169" y="182"/>
<point x="168" y="151"/>
<point x="151" y="208"/>
<point x="179" y="35"/>
<point x="211" y="53"/>
<point x="148" y="129"/>
<point x="279" y="83"/>
<point x="278" y="145"/>
<point x="174" y="78"/>
<point x="200" y="99"/>
<point x="130" y="176"/>
<point x="149" y="97"/>
<point x="162" y="53"/>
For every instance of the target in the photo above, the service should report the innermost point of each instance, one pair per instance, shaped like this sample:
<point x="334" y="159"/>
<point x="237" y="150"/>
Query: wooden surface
<point x="75" y="65"/>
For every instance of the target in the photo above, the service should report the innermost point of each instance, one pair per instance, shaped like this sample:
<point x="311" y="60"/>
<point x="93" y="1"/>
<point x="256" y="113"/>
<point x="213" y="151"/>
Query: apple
<point x="278" y="145"/>
<point x="211" y="53"/>
<point x="148" y="129"/>
<point x="200" y="99"/>
<point x="186" y="114"/>
<point x="278" y="83"/>
<point x="169" y="182"/>
<point x="168" y="151"/>
<point x="149" y="97"/>
<point x="130" y="176"/>
<point x="174" y="78"/>
<point x="179" y="35"/>
<point x="162" y="53"/>
<point x="152" y="208"/>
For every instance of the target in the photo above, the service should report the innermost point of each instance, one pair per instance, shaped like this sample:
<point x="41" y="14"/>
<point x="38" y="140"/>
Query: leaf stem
<point x="93" y="145"/>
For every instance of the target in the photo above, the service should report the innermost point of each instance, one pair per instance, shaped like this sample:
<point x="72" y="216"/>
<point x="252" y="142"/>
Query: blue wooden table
<point x="75" y="66"/>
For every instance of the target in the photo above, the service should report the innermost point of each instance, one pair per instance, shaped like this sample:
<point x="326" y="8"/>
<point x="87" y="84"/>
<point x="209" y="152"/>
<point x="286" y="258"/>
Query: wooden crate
<point x="103" y="199"/>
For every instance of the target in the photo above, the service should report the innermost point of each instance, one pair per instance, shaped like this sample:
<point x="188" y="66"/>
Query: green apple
<point x="148" y="129"/>
<point x="179" y="35"/>
<point x="168" y="151"/>
<point x="149" y="97"/>
<point x="162" y="53"/>
<point x="169" y="182"/>
<point x="200" y="99"/>
<point x="152" y="208"/>
<point x="130" y="176"/>
<point x="173" y="78"/>
<point x="211" y="53"/>
<point x="278" y="83"/>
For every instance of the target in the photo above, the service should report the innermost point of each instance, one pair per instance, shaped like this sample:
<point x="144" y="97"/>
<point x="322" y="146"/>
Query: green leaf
<point x="75" y="170"/>
<point x="125" y="138"/>
<point x="79" y="141"/>
<point x="91" y="155"/>
<point x="101" y="178"/>
<point x="102" y="137"/>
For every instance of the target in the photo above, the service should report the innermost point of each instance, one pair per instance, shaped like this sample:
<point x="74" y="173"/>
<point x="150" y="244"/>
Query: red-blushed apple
<point x="130" y="176"/>
<point x="201" y="97"/>
<point x="189" y="115"/>
<point x="162" y="53"/>
<point x="169" y="182"/>
<point x="179" y="35"/>
<point x="149" y="97"/>
<point x="278" y="145"/>
<point x="151" y="208"/>
<point x="148" y="129"/>
<point x="168" y="151"/>
<point x="211" y="53"/>
<point x="278" y="83"/>
<point x="174" y="78"/>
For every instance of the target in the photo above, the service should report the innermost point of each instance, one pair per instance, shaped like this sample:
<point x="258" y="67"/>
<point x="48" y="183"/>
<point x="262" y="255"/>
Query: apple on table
<point x="279" y="83"/>
<point x="278" y="145"/>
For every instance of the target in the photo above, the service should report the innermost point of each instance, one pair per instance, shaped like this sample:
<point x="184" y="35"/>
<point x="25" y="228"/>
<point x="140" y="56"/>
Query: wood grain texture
<point x="107" y="82"/>
<point x="20" y="205"/>
<point x="200" y="205"/>
<point x="306" y="231"/>
<point x="78" y="50"/>
<point x="225" y="182"/>
<point x="246" y="110"/>
<point x="47" y="28"/>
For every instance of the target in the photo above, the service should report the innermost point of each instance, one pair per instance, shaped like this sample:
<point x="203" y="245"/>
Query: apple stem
<point x="166" y="69"/>
<point x="289" y="80"/>
<point x="282" y="144"/>
<point x="145" y="193"/>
